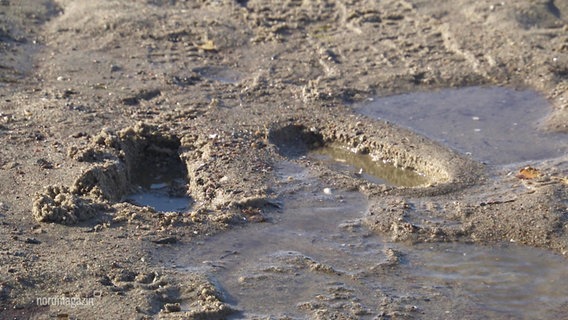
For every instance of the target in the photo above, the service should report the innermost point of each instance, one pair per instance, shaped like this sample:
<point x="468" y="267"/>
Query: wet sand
<point x="237" y="95"/>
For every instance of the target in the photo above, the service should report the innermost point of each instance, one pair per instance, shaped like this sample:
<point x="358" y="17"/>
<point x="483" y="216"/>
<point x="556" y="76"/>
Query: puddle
<point x="158" y="177"/>
<point x="363" y="166"/>
<point x="264" y="268"/>
<point x="513" y="281"/>
<point x="296" y="142"/>
<point x="494" y="124"/>
<point x="163" y="195"/>
<point x="315" y="254"/>
<point x="161" y="185"/>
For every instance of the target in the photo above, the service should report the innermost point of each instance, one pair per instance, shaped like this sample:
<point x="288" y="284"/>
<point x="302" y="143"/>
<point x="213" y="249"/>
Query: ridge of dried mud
<point x="112" y="82"/>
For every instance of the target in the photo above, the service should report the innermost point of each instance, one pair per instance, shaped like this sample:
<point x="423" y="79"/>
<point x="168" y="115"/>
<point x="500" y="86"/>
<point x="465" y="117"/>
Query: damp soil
<point x="222" y="104"/>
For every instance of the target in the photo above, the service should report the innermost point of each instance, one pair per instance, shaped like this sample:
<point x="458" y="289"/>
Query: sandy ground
<point x="90" y="89"/>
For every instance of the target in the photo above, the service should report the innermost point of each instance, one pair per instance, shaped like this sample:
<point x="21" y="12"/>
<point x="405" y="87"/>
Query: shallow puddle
<point x="493" y="124"/>
<point x="264" y="268"/>
<point x="363" y="165"/>
<point x="161" y="185"/>
<point x="316" y="254"/>
<point x="161" y="199"/>
<point x="512" y="281"/>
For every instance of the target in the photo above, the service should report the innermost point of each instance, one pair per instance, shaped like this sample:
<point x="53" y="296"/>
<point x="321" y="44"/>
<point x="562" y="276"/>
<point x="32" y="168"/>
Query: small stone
<point x="327" y="191"/>
<point x="32" y="241"/>
<point x="79" y="134"/>
<point x="44" y="164"/>
<point x="172" y="307"/>
<point x="257" y="218"/>
<point x="11" y="165"/>
<point x="165" y="240"/>
<point x="145" y="278"/>
<point x="38" y="231"/>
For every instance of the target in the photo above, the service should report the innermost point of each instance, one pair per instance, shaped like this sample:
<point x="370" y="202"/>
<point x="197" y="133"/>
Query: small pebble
<point x="165" y="240"/>
<point x="33" y="241"/>
<point x="172" y="307"/>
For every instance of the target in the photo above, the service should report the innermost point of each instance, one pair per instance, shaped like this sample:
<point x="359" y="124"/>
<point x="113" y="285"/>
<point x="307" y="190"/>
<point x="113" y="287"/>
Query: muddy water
<point x="513" y="281"/>
<point x="162" y="187"/>
<point x="363" y="166"/>
<point x="270" y="268"/>
<point x="493" y="124"/>
<point x="315" y="253"/>
<point x="159" y="197"/>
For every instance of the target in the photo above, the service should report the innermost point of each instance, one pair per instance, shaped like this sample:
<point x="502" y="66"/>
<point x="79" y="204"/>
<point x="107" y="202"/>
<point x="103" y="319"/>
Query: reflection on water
<point x="494" y="124"/>
<point x="161" y="199"/>
<point x="364" y="166"/>
<point x="266" y="268"/>
<point x="316" y="251"/>
<point x="162" y="185"/>
<point x="520" y="282"/>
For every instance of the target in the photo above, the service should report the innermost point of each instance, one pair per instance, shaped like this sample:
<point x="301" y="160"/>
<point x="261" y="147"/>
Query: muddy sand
<point x="219" y="159"/>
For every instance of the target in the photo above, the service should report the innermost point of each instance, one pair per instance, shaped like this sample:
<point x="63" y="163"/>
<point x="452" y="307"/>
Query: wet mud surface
<point x="283" y="159"/>
<point x="494" y="125"/>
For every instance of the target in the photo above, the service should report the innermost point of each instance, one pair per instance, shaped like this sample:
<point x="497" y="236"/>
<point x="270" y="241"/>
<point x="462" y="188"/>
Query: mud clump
<point x="120" y="159"/>
<point x="193" y="296"/>
<point x="532" y="213"/>
<point x="106" y="182"/>
<point x="60" y="205"/>
<point x="145" y="168"/>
